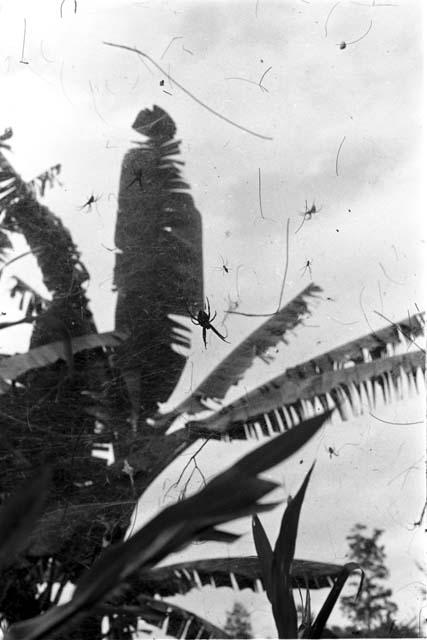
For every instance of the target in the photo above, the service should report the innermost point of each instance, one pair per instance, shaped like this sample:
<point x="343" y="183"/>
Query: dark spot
<point x="162" y="83"/>
<point x="261" y="60"/>
<point x="337" y="230"/>
<point x="301" y="461"/>
<point x="349" y="210"/>
<point x="343" y="45"/>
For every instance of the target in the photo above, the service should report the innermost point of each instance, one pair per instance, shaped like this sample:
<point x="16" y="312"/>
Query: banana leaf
<point x="158" y="271"/>
<point x="170" y="530"/>
<point x="172" y="620"/>
<point x="58" y="258"/>
<point x="351" y="378"/>
<point x="231" y="370"/>
<point x="233" y="572"/>
<point x="11" y="367"/>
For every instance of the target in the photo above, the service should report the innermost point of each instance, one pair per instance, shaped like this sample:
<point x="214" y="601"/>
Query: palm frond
<point x="172" y="620"/>
<point x="235" y="572"/>
<point x="352" y="378"/>
<point x="158" y="271"/>
<point x="11" y="367"/>
<point x="230" y="371"/>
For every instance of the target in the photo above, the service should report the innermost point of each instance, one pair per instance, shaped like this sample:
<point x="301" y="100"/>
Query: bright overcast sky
<point x="74" y="103"/>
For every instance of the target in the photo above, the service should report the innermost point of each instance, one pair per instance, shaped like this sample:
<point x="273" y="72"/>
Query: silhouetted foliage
<point x="76" y="402"/>
<point x="374" y="607"/>
<point x="238" y="622"/>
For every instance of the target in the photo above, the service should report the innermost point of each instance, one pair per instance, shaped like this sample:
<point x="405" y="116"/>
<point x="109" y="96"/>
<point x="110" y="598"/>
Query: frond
<point x="231" y="370"/>
<point x="57" y="256"/>
<point x="158" y="271"/>
<point x="352" y="378"/>
<point x="172" y="620"/>
<point x="47" y="178"/>
<point x="5" y="243"/>
<point x="12" y="367"/>
<point x="236" y="572"/>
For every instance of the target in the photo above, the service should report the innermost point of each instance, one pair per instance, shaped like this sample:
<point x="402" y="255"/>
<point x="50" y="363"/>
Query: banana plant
<point x="77" y="391"/>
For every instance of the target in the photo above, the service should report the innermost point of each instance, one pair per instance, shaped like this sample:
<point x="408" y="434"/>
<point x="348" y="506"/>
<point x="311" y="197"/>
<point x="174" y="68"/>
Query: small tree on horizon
<point x="373" y="608"/>
<point x="238" y="622"/>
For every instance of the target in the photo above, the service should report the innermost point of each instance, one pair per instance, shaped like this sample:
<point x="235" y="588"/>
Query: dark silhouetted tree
<point x="238" y="622"/>
<point x="374" y="607"/>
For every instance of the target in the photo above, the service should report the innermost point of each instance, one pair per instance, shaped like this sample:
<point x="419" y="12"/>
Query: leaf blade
<point x="264" y="552"/>
<point x="283" y="603"/>
<point x="12" y="367"/>
<point x="230" y="371"/>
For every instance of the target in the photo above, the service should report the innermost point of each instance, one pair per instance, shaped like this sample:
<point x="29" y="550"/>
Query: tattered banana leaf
<point x="8" y="182"/>
<point x="49" y="177"/>
<point x="11" y="367"/>
<point x="230" y="371"/>
<point x="352" y="378"/>
<point x="235" y="572"/>
<point x="6" y="135"/>
<point x="172" y="620"/>
<point x="282" y="599"/>
<point x="158" y="271"/>
<point x="57" y="256"/>
<point x="30" y="301"/>
<point x="19" y="515"/>
<point x="5" y="243"/>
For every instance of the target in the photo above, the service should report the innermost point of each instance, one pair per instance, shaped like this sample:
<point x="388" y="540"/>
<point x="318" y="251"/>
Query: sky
<point x="344" y="129"/>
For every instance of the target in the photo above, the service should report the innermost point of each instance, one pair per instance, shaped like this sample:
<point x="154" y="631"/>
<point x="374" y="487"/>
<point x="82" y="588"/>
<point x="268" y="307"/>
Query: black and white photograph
<point x="212" y="331"/>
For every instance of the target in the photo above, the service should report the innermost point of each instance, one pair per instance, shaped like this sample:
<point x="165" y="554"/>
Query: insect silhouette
<point x="204" y="319"/>
<point x="305" y="267"/>
<point x="224" y="267"/>
<point x="308" y="214"/>
<point x="92" y="200"/>
<point x="331" y="451"/>
<point x="137" y="177"/>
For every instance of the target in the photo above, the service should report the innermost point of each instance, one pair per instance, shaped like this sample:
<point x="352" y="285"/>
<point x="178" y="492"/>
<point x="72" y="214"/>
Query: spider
<point x="308" y="214"/>
<point x="204" y="320"/>
<point x="92" y="200"/>
<point x="137" y="177"/>
<point x="331" y="451"/>
<point x="307" y="266"/>
<point x="224" y="267"/>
